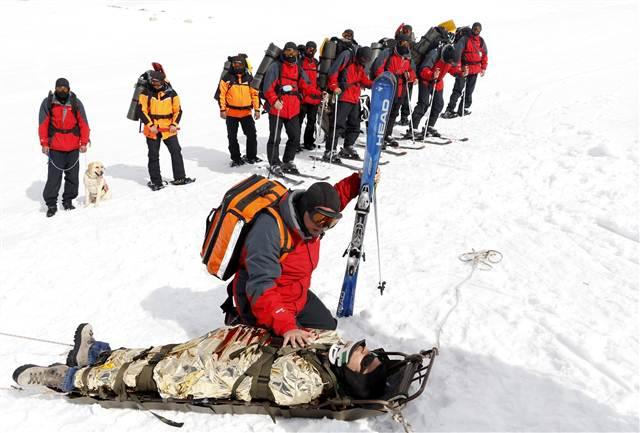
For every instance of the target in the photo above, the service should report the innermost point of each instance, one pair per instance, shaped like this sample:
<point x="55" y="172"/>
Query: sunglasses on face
<point x="62" y="89"/>
<point x="367" y="361"/>
<point x="325" y="218"/>
<point x="156" y="82"/>
<point x="290" y="52"/>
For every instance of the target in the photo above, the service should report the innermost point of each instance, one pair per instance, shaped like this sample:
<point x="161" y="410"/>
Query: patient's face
<point x="363" y="361"/>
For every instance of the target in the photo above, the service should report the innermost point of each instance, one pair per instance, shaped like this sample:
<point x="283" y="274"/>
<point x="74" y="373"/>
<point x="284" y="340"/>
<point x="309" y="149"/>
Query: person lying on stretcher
<point x="239" y="362"/>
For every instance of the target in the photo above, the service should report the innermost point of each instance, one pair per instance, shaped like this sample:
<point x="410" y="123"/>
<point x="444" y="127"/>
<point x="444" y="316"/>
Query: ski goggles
<point x="325" y="218"/>
<point x="367" y="361"/>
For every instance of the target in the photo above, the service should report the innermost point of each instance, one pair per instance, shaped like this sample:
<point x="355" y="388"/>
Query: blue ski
<point x="382" y="93"/>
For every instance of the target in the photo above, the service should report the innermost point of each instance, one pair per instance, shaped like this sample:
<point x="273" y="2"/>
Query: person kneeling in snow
<point x="239" y="362"/>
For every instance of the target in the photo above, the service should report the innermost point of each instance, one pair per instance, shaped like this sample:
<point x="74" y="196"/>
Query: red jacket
<point x="349" y="76"/>
<point x="398" y="65"/>
<point x="313" y="94"/>
<point x="474" y="55"/>
<point x="426" y="73"/>
<point x="280" y="74"/>
<point x="276" y="291"/>
<point x="63" y="127"/>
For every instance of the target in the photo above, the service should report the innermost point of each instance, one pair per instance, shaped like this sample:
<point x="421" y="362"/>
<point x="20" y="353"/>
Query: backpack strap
<point x="286" y="243"/>
<point x="74" y="111"/>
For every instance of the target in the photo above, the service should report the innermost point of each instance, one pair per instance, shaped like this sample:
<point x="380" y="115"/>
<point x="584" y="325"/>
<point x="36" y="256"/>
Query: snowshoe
<point x="253" y="160"/>
<point x="290" y="167"/>
<point x="448" y="115"/>
<point x="236" y="162"/>
<point x="327" y="157"/>
<point x="51" y="211"/>
<point x="276" y="170"/>
<point x="348" y="152"/>
<point x="183" y="181"/>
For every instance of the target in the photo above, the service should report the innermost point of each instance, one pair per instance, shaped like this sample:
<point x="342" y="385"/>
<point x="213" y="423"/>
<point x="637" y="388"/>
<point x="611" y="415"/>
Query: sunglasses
<point x="325" y="218"/>
<point x="367" y="361"/>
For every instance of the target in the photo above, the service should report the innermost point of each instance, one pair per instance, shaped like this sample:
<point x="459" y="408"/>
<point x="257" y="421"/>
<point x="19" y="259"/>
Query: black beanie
<point x="476" y="24"/>
<point x="311" y="44"/>
<point x="320" y="194"/>
<point x="62" y="82"/>
<point x="402" y="37"/>
<point x="291" y="45"/>
<point x="449" y="54"/>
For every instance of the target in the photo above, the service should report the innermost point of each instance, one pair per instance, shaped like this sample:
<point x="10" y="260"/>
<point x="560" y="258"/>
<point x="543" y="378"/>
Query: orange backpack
<point x="228" y="224"/>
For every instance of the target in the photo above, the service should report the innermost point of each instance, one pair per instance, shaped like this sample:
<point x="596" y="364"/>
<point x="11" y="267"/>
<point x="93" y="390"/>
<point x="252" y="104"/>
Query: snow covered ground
<point x="546" y="341"/>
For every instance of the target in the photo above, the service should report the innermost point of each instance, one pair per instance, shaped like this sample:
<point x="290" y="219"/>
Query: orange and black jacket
<point x="236" y="97"/>
<point x="160" y="108"/>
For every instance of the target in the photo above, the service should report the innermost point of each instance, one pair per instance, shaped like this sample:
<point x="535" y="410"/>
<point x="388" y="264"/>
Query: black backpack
<point x="462" y="32"/>
<point x="434" y="38"/>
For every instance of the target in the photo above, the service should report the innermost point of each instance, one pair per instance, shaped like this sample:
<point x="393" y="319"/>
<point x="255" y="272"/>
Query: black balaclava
<point x="232" y="69"/>
<point x="62" y="96"/>
<point x="293" y="46"/>
<point x="403" y="51"/>
<point x="310" y="44"/>
<point x="356" y="384"/>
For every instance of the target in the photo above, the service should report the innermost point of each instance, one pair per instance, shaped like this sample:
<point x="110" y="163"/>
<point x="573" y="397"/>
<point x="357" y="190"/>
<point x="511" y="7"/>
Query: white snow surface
<point x="545" y="341"/>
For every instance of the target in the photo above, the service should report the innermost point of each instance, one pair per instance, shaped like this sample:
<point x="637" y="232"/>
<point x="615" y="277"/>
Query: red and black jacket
<point x="63" y="127"/>
<point x="349" y="75"/>
<point x="279" y="75"/>
<point x="313" y="95"/>
<point x="474" y="54"/>
<point x="432" y="61"/>
<point x="397" y="65"/>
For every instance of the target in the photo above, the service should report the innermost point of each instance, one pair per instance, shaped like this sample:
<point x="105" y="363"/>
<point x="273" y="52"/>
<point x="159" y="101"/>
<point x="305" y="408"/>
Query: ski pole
<point x="381" y="283"/>
<point x="464" y="93"/>
<point x="317" y="129"/>
<point x="335" y="119"/>
<point x="433" y="92"/>
<point x="276" y="142"/>
<point x="413" y="136"/>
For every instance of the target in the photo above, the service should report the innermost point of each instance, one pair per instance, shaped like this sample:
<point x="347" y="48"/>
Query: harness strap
<point x="161" y="116"/>
<point x="259" y="371"/>
<point x="144" y="379"/>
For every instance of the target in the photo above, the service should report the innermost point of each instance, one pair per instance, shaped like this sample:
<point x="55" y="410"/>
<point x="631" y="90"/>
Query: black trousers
<point x="457" y="92"/>
<point x="177" y="164"/>
<point x="309" y="111"/>
<point x="60" y="162"/>
<point x="292" y="126"/>
<point x="405" y="111"/>
<point x="393" y="114"/>
<point x="315" y="314"/>
<point x="347" y="124"/>
<point x="424" y="96"/>
<point x="249" y="130"/>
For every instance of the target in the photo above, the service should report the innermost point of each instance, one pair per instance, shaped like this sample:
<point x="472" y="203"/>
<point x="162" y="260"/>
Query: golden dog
<point x="95" y="186"/>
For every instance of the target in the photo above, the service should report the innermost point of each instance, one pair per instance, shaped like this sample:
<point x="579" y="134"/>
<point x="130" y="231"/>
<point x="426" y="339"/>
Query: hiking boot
<point x="67" y="205"/>
<point x="290" y="167"/>
<point x="327" y="157"/>
<point x="390" y="142"/>
<point x="236" y="162"/>
<point x="276" y="170"/>
<point x="349" y="152"/>
<point x="404" y="121"/>
<point x="155" y="186"/>
<point x="253" y="160"/>
<point x="183" y="181"/>
<point x="52" y="376"/>
<point x="432" y="132"/>
<point x="409" y="135"/>
<point x="309" y="146"/>
<point x="448" y="115"/>
<point x="299" y="149"/>
<point x="51" y="211"/>
<point x="82" y="341"/>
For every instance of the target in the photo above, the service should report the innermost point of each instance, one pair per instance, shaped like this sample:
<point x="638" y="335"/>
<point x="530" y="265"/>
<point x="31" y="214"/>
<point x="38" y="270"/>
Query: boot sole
<point x="18" y="371"/>
<point x="77" y="339"/>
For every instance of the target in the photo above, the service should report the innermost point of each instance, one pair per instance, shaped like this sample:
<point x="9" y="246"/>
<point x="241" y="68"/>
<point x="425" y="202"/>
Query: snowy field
<point x="546" y="341"/>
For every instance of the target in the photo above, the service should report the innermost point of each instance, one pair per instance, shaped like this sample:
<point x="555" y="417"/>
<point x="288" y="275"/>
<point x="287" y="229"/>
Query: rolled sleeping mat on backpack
<point x="327" y="55"/>
<point x="376" y="49"/>
<point x="133" y="113"/>
<point x="272" y="53"/>
<point x="225" y="69"/>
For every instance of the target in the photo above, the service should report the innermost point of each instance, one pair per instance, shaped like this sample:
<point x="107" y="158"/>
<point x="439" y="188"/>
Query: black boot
<point x="183" y="181"/>
<point x="51" y="211"/>
<point x="67" y="205"/>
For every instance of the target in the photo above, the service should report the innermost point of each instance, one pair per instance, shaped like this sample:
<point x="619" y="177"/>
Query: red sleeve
<point x="455" y="70"/>
<point x="426" y="74"/>
<point x="485" y="59"/>
<point x="348" y="189"/>
<point x="272" y="312"/>
<point x="332" y="82"/>
<point x="412" y="73"/>
<point x="364" y="79"/>
<point x="83" y="125"/>
<point x="270" y="94"/>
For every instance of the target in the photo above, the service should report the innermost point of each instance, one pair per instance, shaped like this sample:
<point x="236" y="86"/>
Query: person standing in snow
<point x="473" y="62"/>
<point x="285" y="84"/>
<point x="64" y="133"/>
<point x="398" y="62"/>
<point x="346" y="77"/>
<point x="405" y="110"/>
<point x="431" y="72"/>
<point x="236" y="100"/>
<point x="160" y="112"/>
<point x="311" y="101"/>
